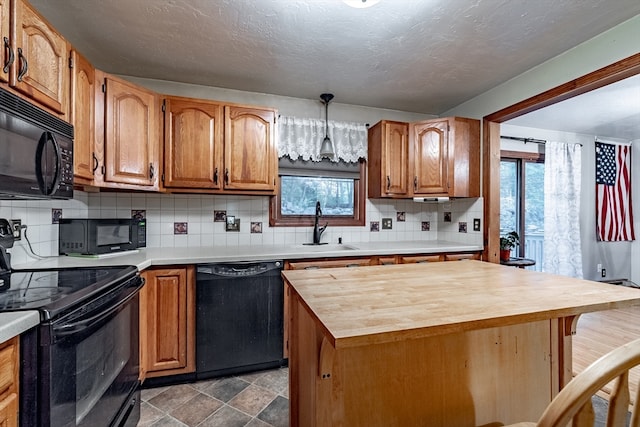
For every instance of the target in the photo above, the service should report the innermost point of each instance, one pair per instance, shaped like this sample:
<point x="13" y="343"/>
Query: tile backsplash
<point x="203" y="220"/>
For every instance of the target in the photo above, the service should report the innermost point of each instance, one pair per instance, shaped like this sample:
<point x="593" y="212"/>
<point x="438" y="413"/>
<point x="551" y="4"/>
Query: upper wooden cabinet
<point x="439" y="157"/>
<point x="131" y="135"/>
<point x="7" y="56"/>
<point x="388" y="159"/>
<point x="250" y="154"/>
<point x="82" y="115"/>
<point x="210" y="146"/>
<point x="41" y="57"/>
<point x="193" y="147"/>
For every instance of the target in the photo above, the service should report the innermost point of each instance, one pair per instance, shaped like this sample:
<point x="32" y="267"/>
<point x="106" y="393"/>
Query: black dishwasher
<point x="239" y="317"/>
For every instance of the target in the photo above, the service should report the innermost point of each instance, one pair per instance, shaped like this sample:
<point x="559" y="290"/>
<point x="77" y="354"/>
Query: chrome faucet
<point x="317" y="231"/>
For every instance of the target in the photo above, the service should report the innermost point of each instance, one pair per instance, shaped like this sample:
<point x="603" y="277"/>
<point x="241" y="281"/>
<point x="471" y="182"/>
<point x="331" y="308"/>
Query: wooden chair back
<point x="573" y="405"/>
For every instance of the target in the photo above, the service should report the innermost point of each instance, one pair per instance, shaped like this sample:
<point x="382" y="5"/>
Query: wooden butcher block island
<point x="447" y="344"/>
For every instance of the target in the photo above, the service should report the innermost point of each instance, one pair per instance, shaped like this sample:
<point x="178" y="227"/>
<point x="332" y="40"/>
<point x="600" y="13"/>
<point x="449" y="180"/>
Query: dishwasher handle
<point x="241" y="269"/>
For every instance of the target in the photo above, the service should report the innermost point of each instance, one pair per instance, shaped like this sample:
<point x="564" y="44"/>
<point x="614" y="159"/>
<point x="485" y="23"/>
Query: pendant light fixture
<point x="326" y="149"/>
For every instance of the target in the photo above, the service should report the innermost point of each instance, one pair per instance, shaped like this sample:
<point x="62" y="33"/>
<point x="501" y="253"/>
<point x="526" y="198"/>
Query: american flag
<point x="614" y="219"/>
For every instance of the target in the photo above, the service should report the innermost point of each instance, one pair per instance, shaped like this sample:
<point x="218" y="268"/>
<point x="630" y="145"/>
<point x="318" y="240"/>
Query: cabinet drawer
<point x="461" y="257"/>
<point x="338" y="262"/>
<point x="412" y="259"/>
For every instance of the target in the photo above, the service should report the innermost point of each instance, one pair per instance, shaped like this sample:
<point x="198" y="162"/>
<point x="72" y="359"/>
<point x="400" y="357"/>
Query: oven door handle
<point x="67" y="329"/>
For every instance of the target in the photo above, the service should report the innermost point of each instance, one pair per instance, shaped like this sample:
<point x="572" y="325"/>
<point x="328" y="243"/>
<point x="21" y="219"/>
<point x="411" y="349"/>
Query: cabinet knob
<point x="388" y="182"/>
<point x="215" y="176"/>
<point x="226" y="176"/>
<point x="152" y="171"/>
<point x="10" y="57"/>
<point x="415" y="183"/>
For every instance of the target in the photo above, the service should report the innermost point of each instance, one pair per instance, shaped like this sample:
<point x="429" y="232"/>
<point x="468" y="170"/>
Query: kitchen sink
<point x="331" y="247"/>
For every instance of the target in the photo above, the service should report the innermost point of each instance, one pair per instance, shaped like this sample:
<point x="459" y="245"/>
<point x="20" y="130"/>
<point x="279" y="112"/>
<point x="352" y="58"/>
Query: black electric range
<point x="80" y="365"/>
<point x="54" y="292"/>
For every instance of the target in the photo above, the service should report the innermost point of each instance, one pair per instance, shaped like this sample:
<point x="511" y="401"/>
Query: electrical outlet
<point x="603" y="272"/>
<point x="599" y="268"/>
<point x="17" y="228"/>
<point x="387" y="223"/>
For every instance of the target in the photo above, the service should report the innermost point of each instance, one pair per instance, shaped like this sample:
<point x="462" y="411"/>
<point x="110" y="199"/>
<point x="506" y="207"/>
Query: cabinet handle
<point x="388" y="182"/>
<point x="24" y="65"/>
<point x="226" y="176"/>
<point x="95" y="163"/>
<point x="11" y="58"/>
<point x="215" y="176"/>
<point x="415" y="183"/>
<point x="151" y="171"/>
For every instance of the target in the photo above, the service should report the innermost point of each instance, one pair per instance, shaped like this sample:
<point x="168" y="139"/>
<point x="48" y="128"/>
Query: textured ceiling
<point x="423" y="56"/>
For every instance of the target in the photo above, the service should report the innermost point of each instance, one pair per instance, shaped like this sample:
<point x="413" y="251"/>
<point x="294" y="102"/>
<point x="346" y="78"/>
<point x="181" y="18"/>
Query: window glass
<point x="522" y="203"/>
<point x="299" y="195"/>
<point x="509" y="197"/>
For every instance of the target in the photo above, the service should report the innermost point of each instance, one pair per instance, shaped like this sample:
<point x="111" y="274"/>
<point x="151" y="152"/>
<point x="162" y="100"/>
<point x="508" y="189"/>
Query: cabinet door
<point x="82" y="115"/>
<point x="9" y="371"/>
<point x="5" y="38"/>
<point x="131" y="134"/>
<point x="395" y="157"/>
<point x="388" y="160"/>
<point x="168" y="328"/>
<point x="9" y="411"/>
<point x="430" y="142"/>
<point x="40" y="68"/>
<point x="193" y="144"/>
<point x="250" y="156"/>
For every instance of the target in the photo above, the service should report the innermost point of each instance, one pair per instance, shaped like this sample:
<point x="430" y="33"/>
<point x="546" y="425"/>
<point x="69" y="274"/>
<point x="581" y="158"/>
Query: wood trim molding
<point x="610" y="74"/>
<point x="617" y="71"/>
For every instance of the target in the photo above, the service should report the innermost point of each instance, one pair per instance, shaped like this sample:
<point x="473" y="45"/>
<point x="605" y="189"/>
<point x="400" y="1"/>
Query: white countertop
<point x="147" y="257"/>
<point x="12" y="324"/>
<point x="15" y="323"/>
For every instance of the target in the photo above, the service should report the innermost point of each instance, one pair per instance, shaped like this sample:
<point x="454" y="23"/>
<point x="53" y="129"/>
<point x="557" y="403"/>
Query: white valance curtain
<point x="300" y="137"/>
<point x="562" y="175"/>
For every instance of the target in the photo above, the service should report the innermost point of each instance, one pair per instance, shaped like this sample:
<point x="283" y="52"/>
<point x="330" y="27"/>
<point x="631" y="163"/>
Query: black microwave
<point x="37" y="152"/>
<point x="95" y="236"/>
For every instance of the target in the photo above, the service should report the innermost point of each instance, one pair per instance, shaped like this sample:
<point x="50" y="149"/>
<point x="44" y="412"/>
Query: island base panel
<point x="501" y="374"/>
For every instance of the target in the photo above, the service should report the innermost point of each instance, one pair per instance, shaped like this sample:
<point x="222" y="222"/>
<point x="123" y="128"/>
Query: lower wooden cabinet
<point x="167" y="322"/>
<point x="9" y="369"/>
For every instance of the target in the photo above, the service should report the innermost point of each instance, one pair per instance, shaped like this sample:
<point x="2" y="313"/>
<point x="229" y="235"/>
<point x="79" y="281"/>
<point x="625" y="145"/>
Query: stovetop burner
<point x="54" y="291"/>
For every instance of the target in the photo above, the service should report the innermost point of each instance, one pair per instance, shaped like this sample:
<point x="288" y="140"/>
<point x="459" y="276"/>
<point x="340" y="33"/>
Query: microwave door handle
<point x="47" y="188"/>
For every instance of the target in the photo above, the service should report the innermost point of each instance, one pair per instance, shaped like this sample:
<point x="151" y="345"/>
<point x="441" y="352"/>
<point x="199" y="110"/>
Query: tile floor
<point x="257" y="399"/>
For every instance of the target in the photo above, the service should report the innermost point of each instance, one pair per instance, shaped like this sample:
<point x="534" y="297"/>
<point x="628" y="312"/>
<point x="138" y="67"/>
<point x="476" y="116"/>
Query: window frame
<point x="276" y="219"/>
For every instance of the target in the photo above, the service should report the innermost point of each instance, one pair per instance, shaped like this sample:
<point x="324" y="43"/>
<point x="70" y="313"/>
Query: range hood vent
<point x="430" y="199"/>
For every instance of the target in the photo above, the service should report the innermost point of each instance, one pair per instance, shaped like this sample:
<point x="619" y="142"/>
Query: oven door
<point x="89" y="363"/>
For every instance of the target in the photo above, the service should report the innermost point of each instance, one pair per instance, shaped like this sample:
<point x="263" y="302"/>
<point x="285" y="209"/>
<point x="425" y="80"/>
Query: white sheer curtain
<point x="300" y="137"/>
<point x="562" y="171"/>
